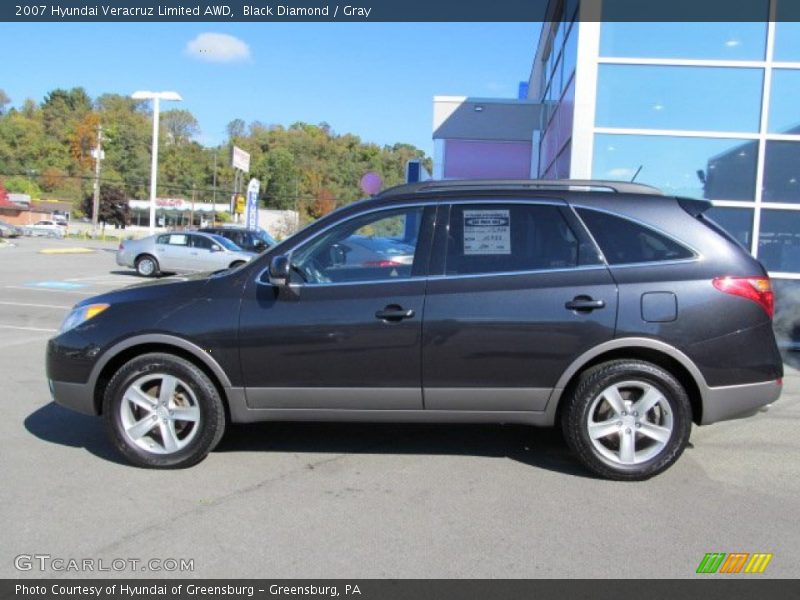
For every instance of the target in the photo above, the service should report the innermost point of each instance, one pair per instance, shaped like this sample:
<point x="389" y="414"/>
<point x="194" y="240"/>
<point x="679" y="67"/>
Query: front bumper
<point x="737" y="401"/>
<point x="75" y="396"/>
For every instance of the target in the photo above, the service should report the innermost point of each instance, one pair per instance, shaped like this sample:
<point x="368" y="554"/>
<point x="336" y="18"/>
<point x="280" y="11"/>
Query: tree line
<point x="46" y="151"/>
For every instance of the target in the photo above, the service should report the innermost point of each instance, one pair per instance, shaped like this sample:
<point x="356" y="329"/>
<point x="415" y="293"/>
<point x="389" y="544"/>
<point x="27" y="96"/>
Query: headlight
<point x="81" y="315"/>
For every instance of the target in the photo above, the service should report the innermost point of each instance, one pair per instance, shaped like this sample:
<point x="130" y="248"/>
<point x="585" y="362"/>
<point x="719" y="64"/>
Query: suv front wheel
<point x="163" y="412"/>
<point x="627" y="419"/>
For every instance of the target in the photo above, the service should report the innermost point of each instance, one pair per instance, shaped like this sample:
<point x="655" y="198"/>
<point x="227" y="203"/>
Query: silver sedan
<point x="187" y="252"/>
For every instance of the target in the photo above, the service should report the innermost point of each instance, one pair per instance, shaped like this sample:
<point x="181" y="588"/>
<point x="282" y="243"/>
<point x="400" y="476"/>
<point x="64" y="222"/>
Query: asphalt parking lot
<point x="284" y="500"/>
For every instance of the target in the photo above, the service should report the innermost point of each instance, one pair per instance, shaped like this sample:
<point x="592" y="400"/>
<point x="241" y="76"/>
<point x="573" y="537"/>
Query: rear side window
<point x="623" y="241"/>
<point x="497" y="238"/>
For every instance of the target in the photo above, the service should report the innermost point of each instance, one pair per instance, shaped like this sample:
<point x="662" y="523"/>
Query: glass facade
<point x="712" y="41"/>
<point x="688" y="98"/>
<point x="697" y="110"/>
<point x="557" y="87"/>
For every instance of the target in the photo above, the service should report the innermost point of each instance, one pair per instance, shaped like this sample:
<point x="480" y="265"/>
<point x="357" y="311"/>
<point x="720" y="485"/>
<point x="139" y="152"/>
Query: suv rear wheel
<point x="163" y="412"/>
<point x="627" y="419"/>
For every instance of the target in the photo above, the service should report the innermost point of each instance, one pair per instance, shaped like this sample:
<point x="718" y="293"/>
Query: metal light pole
<point x="156" y="97"/>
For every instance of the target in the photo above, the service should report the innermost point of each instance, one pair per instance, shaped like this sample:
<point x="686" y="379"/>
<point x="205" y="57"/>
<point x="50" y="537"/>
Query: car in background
<point x="370" y="251"/>
<point x="186" y="252"/>
<point x="8" y="230"/>
<point x="46" y="228"/>
<point x="251" y="240"/>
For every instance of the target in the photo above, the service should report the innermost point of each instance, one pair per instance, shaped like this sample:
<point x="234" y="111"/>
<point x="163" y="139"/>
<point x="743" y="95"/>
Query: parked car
<point x="9" y="230"/>
<point x="46" y="228"/>
<point x="252" y="240"/>
<point x="180" y="253"/>
<point x="623" y="316"/>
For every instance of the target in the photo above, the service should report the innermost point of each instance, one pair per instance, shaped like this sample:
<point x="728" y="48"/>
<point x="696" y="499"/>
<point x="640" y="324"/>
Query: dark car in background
<point x="251" y="240"/>
<point x="607" y="308"/>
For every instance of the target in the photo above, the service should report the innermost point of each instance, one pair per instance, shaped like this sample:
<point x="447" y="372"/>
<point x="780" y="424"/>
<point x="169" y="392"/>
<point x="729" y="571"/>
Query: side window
<point x="623" y="241"/>
<point x="368" y="248"/>
<point x="497" y="238"/>
<point x="162" y="239"/>
<point x="178" y="239"/>
<point x="203" y="243"/>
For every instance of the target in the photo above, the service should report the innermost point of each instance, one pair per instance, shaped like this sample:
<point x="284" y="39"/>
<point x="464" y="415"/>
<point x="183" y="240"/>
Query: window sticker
<point x="177" y="239"/>
<point x="487" y="232"/>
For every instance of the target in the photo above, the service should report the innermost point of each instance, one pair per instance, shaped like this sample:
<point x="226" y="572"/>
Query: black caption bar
<point x="391" y="10"/>
<point x="416" y="589"/>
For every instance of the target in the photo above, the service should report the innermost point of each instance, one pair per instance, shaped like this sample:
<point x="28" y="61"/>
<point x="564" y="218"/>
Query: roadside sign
<point x="240" y="204"/>
<point x="251" y="207"/>
<point x="240" y="159"/>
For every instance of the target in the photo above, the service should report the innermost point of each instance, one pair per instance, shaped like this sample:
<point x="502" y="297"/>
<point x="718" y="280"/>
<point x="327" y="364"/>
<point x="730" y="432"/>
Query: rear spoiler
<point x="693" y="206"/>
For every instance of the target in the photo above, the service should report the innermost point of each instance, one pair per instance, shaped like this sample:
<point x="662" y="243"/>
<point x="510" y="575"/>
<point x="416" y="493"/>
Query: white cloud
<point x="218" y="48"/>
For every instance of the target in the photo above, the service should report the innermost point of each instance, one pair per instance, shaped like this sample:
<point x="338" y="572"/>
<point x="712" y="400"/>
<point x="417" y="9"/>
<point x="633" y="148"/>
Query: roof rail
<point x="621" y="187"/>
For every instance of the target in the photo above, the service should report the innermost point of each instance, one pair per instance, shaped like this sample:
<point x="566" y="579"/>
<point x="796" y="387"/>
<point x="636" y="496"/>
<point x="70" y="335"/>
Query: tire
<point x="131" y="403"/>
<point x="147" y="266"/>
<point x="604" y="429"/>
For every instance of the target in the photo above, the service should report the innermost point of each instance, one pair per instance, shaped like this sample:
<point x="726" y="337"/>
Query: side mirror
<point x="215" y="248"/>
<point x="279" y="270"/>
<point x="259" y="245"/>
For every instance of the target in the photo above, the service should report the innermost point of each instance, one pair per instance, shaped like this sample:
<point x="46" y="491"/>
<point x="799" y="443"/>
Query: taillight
<point x="383" y="264"/>
<point x="757" y="289"/>
<point x="121" y="246"/>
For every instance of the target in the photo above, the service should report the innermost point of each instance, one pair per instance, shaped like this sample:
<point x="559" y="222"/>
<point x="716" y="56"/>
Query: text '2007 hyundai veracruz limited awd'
<point x="622" y="315"/>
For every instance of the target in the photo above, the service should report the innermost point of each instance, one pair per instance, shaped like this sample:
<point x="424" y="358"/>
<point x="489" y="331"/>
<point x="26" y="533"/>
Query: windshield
<point x="225" y="243"/>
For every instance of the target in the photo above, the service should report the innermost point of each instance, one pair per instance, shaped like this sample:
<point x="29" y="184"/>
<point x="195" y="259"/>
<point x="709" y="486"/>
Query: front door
<point x="520" y="294"/>
<point x="346" y="332"/>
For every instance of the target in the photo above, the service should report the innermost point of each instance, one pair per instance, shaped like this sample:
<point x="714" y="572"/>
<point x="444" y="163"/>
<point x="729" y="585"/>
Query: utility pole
<point x="194" y="191"/>
<point x="214" y="201"/>
<point x="98" y="155"/>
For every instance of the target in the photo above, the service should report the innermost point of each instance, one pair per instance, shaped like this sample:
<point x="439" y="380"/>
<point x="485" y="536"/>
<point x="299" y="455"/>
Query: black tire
<point x="600" y="456"/>
<point x="209" y="427"/>
<point x="147" y="265"/>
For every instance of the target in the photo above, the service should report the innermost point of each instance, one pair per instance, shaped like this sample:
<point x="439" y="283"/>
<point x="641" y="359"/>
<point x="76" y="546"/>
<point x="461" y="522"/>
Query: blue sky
<point x="375" y="80"/>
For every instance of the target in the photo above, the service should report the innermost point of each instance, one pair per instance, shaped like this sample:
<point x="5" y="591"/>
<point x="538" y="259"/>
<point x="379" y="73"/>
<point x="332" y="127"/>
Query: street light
<point x="156" y="97"/>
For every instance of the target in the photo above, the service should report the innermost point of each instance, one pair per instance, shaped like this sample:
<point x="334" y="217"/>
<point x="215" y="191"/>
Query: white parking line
<point x="58" y="306"/>
<point x="27" y="328"/>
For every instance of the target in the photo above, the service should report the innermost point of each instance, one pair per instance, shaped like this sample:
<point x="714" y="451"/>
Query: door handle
<point x="584" y="304"/>
<point x="394" y="313"/>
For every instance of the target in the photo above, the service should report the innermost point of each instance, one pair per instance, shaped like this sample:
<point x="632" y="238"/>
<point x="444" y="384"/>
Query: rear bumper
<point x="737" y="401"/>
<point x="75" y="396"/>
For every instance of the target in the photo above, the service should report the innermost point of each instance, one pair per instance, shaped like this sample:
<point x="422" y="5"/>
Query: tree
<point x="236" y="129"/>
<point x="4" y="99"/>
<point x="114" y="209"/>
<point x="180" y="126"/>
<point x="22" y="185"/>
<point x="323" y="204"/>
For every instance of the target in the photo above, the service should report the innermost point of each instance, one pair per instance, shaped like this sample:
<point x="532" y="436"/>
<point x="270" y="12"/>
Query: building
<point x="699" y="109"/>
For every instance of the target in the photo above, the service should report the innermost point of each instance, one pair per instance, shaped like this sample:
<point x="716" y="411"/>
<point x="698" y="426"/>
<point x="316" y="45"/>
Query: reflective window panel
<point x="738" y="222"/>
<point x="784" y="109"/>
<point x="693" y="98"/>
<point x="719" y="169"/>
<point x="779" y="240"/>
<point x="781" y="172"/>
<point x="717" y="41"/>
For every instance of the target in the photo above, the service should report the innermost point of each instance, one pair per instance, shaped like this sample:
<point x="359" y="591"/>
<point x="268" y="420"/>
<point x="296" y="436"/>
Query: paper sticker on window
<point x="177" y="239"/>
<point x="487" y="232"/>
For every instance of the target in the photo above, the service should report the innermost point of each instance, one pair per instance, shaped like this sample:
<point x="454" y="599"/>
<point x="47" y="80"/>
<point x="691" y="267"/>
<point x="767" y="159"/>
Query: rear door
<point x="173" y="252"/>
<point x="520" y="293"/>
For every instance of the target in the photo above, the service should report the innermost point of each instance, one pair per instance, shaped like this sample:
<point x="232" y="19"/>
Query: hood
<point x="172" y="287"/>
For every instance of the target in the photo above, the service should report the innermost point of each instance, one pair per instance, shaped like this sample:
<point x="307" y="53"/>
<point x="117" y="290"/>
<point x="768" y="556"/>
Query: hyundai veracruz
<point x="615" y="312"/>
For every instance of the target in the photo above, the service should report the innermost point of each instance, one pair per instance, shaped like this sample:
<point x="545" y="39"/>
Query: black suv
<point x="252" y="240"/>
<point x="622" y="315"/>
